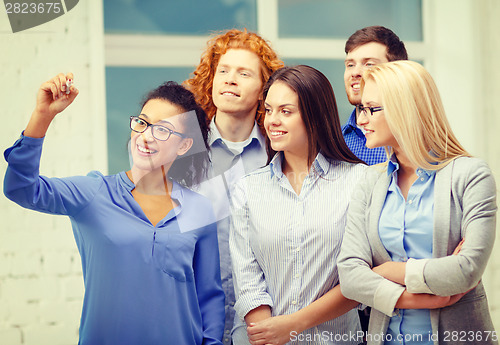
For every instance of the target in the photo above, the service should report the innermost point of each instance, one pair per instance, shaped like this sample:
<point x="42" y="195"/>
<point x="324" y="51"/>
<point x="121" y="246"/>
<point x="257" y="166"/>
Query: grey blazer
<point x="464" y="206"/>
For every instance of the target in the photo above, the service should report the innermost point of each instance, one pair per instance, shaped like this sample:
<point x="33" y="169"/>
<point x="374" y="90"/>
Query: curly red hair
<point x="201" y="83"/>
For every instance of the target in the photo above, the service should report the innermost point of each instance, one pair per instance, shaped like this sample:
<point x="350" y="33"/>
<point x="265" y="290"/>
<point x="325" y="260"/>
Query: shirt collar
<point x="216" y="136"/>
<point x="129" y="185"/>
<point x="320" y="165"/>
<point x="177" y="192"/>
<point x="214" y="132"/>
<point x="393" y="165"/>
<point x="177" y="189"/>
<point x="351" y="123"/>
<point x="275" y="165"/>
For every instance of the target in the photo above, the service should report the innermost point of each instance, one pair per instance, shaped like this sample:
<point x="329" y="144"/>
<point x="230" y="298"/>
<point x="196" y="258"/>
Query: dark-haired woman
<point x="289" y="219"/>
<point x="148" y="244"/>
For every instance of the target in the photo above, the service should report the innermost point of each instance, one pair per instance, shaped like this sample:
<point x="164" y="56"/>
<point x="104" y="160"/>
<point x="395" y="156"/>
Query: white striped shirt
<point x="284" y="246"/>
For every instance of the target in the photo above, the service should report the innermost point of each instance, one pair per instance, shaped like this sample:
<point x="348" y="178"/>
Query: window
<point x="152" y="41"/>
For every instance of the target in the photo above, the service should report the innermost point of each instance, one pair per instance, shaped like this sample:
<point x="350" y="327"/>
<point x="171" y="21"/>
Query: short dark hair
<point x="396" y="49"/>
<point x="190" y="168"/>
<point x="318" y="110"/>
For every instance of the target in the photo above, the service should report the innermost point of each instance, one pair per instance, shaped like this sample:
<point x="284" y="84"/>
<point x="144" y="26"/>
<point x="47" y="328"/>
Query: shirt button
<point x="232" y="304"/>
<point x="297" y="250"/>
<point x="228" y="331"/>
<point x="294" y="302"/>
<point x="421" y="179"/>
<point x="410" y="202"/>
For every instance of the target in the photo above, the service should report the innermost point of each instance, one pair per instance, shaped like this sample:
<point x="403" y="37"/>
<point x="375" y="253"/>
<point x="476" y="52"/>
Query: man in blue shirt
<point x="228" y="84"/>
<point x="365" y="48"/>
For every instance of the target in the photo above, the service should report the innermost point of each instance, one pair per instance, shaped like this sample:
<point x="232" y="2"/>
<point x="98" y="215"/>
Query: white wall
<point x="463" y="39"/>
<point x="41" y="285"/>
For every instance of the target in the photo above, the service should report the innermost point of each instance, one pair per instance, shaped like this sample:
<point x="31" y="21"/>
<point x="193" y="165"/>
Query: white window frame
<point x="185" y="51"/>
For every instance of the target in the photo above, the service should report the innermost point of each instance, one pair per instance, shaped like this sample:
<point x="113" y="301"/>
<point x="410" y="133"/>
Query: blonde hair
<point x="415" y="114"/>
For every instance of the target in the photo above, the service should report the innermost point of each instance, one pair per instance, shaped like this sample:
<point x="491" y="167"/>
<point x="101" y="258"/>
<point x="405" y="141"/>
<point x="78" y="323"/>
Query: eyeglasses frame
<point x="171" y="131"/>
<point x="361" y="109"/>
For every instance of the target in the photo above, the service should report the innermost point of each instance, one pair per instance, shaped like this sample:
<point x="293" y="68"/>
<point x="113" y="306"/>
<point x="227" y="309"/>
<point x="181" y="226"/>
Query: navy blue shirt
<point x="144" y="284"/>
<point x="356" y="141"/>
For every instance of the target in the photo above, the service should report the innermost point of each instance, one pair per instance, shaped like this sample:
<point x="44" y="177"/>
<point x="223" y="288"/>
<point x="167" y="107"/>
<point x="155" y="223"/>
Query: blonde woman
<point x="420" y="227"/>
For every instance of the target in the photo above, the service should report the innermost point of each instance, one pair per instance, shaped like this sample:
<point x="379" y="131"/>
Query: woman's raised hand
<point x="54" y="96"/>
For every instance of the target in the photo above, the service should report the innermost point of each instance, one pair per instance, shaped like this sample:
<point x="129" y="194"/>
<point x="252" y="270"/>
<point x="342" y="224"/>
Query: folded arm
<point x="279" y="329"/>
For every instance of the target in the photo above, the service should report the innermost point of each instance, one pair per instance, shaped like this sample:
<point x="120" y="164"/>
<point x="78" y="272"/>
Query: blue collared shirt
<point x="406" y="229"/>
<point x="227" y="167"/>
<point x="356" y="141"/>
<point x="284" y="246"/>
<point x="144" y="284"/>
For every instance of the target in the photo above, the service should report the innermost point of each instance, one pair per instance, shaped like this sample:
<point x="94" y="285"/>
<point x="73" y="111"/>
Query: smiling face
<point x="237" y="83"/>
<point x="357" y="60"/>
<point x="283" y="122"/>
<point x="377" y="131"/>
<point x="149" y="153"/>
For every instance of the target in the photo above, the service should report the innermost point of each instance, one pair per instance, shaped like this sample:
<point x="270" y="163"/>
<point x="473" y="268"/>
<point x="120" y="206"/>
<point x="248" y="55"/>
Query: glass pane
<point x="189" y="17"/>
<point x="341" y="18"/>
<point x="334" y="71"/>
<point x="125" y="89"/>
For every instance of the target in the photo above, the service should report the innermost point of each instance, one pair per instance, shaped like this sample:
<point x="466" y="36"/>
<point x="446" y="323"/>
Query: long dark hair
<point x="190" y="168"/>
<point x="319" y="112"/>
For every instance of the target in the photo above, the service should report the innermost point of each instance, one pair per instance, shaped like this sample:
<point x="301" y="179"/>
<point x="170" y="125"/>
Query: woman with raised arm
<point x="289" y="219"/>
<point x="148" y="244"/>
<point x="421" y="226"/>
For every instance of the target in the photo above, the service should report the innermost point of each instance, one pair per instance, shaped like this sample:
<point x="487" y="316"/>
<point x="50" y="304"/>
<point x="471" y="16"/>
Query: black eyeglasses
<point x="360" y="109"/>
<point x="158" y="131"/>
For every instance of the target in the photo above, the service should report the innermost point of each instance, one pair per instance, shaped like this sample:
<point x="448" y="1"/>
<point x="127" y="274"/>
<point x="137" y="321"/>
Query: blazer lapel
<point x="442" y="211"/>
<point x="377" y="202"/>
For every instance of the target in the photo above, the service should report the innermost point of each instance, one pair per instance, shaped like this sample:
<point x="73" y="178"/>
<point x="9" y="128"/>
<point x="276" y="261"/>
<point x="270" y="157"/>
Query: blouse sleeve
<point x="208" y="285"/>
<point x="357" y="280"/>
<point x="474" y="192"/>
<point x="24" y="185"/>
<point x="249" y="282"/>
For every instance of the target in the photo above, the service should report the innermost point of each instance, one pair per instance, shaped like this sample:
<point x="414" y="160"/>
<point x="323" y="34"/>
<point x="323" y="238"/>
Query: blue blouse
<point x="144" y="284"/>
<point x="405" y="229"/>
